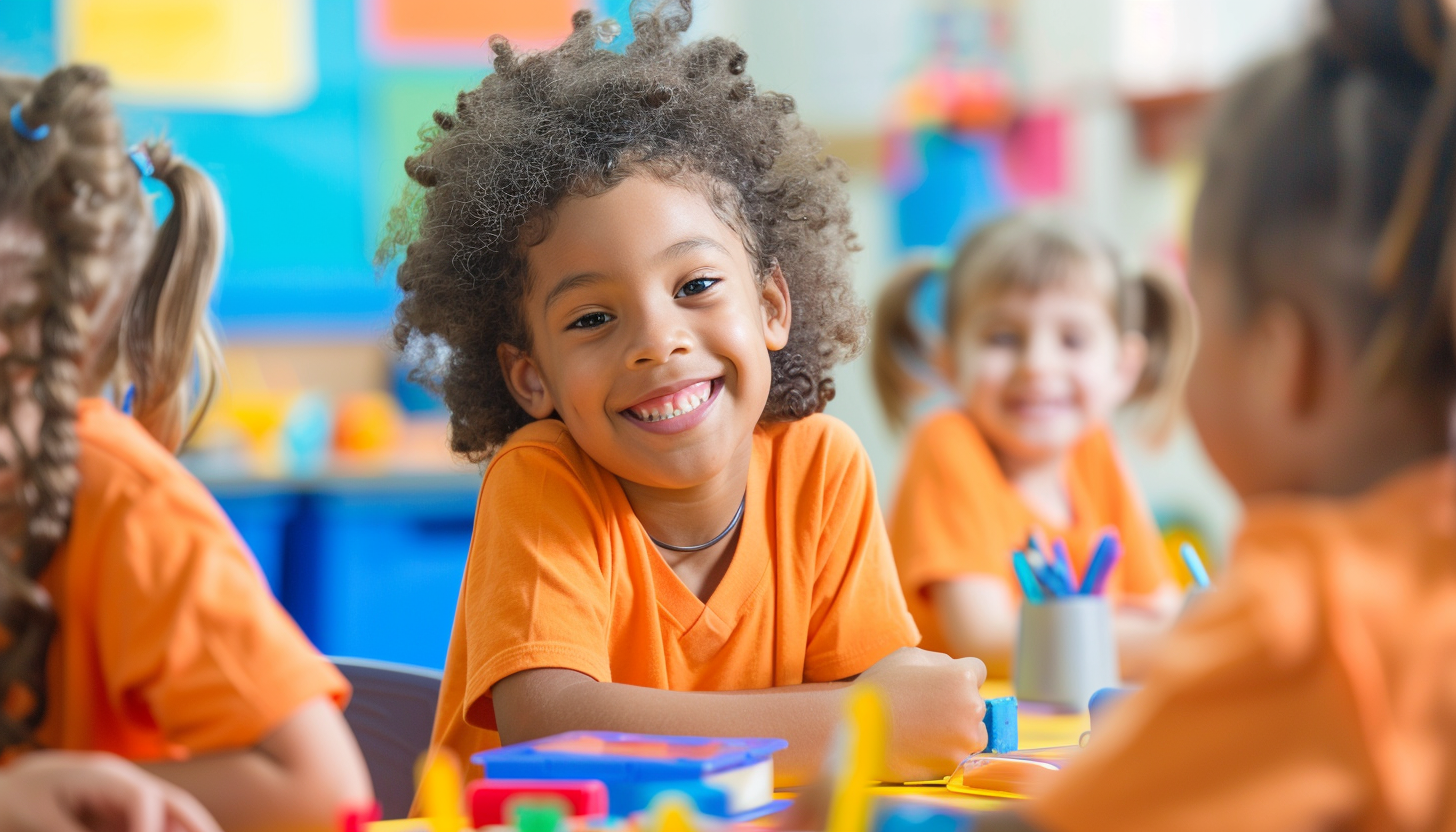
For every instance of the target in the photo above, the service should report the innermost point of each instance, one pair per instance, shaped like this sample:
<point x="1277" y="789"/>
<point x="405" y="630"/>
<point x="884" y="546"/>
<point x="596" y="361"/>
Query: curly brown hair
<point x="574" y="121"/>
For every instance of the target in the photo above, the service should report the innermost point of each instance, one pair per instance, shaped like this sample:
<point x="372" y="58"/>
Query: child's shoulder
<point x="815" y="440"/>
<point x="544" y="443"/>
<point x="1400" y="523"/>
<point x="116" y="451"/>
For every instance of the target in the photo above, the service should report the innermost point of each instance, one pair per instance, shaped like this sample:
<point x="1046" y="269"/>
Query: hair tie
<point x="143" y="161"/>
<point x="25" y="131"/>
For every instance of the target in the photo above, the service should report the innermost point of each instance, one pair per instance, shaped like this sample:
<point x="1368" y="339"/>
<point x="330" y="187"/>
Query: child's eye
<point x="591" y="320"/>
<point x="1003" y="338"/>
<point x="696" y="286"/>
<point x="1074" y="340"/>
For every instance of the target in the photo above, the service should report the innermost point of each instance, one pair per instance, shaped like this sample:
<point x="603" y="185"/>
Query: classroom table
<point x="1037" y="727"/>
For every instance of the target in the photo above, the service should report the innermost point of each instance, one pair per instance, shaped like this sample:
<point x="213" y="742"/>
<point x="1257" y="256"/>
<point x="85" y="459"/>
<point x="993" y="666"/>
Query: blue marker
<point x="1064" y="561"/>
<point x="1195" y="565"/>
<point x="1049" y="576"/>
<point x="1029" y="586"/>
<point x="1109" y="550"/>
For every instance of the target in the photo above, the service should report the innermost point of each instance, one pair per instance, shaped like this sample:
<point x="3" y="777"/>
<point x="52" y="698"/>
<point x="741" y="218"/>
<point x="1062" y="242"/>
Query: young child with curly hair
<point x="1042" y="335"/>
<point x="628" y="276"/>
<point x="133" y="620"/>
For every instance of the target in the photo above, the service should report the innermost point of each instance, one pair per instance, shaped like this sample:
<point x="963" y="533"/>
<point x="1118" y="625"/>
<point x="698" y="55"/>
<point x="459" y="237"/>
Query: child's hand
<point x="59" y="791"/>
<point x="935" y="710"/>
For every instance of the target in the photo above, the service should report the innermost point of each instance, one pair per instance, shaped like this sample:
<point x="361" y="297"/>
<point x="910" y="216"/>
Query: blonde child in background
<point x="1314" y="687"/>
<point x="632" y="269"/>
<point x="1044" y="337"/>
<point x="133" y="620"/>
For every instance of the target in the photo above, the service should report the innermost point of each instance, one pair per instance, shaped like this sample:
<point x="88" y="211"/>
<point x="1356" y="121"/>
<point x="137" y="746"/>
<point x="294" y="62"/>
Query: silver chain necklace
<point x="732" y="524"/>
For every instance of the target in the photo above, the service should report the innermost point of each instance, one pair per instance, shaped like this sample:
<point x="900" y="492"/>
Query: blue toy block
<point x="1000" y="719"/>
<point x="1103" y="700"/>
<point x="908" y="816"/>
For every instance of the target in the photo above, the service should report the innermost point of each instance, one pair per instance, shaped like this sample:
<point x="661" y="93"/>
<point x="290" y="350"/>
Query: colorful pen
<point x="1106" y="555"/>
<point x="1195" y="565"/>
<point x="1029" y="586"/>
<point x="1064" y="559"/>
<point x="1048" y="575"/>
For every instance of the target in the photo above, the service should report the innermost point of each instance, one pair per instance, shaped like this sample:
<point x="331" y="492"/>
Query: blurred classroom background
<point x="334" y="467"/>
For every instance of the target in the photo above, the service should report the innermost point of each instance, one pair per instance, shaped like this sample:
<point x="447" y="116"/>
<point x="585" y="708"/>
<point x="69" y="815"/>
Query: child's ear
<point x="524" y="380"/>
<point x="1292" y="355"/>
<point x="1132" y="358"/>
<point x="778" y="311"/>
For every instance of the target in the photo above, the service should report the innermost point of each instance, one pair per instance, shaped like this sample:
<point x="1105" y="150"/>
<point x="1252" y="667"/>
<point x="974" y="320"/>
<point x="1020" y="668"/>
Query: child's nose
<point x="660" y="336"/>
<point x="1041" y="354"/>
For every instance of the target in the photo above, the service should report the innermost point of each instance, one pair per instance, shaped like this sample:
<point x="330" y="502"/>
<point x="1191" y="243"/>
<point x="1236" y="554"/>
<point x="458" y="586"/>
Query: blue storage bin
<point x="376" y="573"/>
<point x="262" y="520"/>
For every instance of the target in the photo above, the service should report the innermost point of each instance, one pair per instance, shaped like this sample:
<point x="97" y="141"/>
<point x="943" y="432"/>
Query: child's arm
<point x="69" y="791"/>
<point x="934" y="702"/>
<point x="296" y="778"/>
<point x="978" y="619"/>
<point x="1141" y="622"/>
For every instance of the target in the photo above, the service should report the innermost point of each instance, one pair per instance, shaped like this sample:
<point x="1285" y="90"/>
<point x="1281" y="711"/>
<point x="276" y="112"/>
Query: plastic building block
<point x="1001" y="731"/>
<point x="867" y="723"/>
<point x="539" y="817"/>
<point x="1104" y="700"/>
<point x="729" y="778"/>
<point x="490" y="801"/>
<point x="919" y="816"/>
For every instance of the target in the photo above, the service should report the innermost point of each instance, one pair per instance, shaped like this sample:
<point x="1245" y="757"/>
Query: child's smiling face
<point x="651" y="333"/>
<point x="1038" y="369"/>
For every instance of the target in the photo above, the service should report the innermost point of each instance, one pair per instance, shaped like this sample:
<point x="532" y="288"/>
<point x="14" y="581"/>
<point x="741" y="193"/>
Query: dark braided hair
<point x="576" y="120"/>
<point x="119" y="302"/>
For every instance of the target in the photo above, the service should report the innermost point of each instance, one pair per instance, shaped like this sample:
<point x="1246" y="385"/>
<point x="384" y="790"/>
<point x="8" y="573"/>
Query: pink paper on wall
<point x="1036" y="155"/>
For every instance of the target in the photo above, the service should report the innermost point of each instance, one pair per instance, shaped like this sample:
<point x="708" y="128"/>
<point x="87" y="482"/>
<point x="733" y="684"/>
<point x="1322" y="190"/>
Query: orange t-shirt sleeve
<point x="859" y="612"/>
<point x="939" y="525"/>
<point x="188" y="634"/>
<point x="536" y="589"/>
<point x="1249" y="722"/>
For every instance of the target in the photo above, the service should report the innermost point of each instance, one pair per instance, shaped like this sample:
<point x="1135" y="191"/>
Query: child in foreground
<point x="133" y="621"/>
<point x="631" y="268"/>
<point x="1313" y="689"/>
<point x="1043" y="338"/>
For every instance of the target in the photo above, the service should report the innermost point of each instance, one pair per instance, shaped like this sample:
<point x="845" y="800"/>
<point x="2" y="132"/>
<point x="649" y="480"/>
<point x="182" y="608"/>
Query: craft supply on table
<point x="1066" y="650"/>
<point x="730" y="778"/>
<point x="1195" y="566"/>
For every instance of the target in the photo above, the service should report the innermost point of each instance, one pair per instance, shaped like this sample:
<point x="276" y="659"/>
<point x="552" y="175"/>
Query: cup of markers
<point x="1066" y="648"/>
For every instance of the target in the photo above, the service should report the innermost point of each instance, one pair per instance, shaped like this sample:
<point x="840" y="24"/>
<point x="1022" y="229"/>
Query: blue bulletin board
<point x="308" y="165"/>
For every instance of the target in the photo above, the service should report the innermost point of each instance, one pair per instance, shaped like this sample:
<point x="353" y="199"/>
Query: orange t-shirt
<point x="562" y="574"/>
<point x="168" y="641"/>
<point x="1315" y="688"/>
<point x="956" y="514"/>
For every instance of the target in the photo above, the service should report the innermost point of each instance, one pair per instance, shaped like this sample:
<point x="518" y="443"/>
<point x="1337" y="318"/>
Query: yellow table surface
<point x="1036" y="728"/>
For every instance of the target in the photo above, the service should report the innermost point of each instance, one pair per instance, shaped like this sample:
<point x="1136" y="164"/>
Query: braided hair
<point x="117" y="303"/>
<point x="574" y="121"/>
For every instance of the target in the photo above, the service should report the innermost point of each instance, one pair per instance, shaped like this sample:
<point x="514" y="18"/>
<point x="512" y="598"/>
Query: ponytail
<point x="1154" y="304"/>
<point x="894" y="338"/>
<point x="165" y="330"/>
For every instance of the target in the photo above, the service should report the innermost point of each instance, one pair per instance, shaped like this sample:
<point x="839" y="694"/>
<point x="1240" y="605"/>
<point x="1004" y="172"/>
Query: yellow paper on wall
<point x="249" y="55"/>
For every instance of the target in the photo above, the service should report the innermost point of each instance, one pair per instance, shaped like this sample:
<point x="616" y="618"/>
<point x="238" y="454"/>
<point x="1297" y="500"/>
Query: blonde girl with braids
<point x="133" y="620"/>
<point x="1041" y="336"/>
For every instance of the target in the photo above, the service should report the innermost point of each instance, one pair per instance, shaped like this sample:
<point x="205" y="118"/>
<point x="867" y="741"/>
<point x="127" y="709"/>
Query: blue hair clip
<point x="25" y="131"/>
<point x="143" y="161"/>
<point x="129" y="399"/>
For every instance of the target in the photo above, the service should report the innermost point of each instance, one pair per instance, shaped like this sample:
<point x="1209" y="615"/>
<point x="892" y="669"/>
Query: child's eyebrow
<point x="569" y="283"/>
<point x="682" y="247"/>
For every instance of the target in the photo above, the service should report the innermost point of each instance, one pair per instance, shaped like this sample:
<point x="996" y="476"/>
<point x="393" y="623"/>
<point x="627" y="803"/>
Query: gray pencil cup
<point x="1066" y="650"/>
